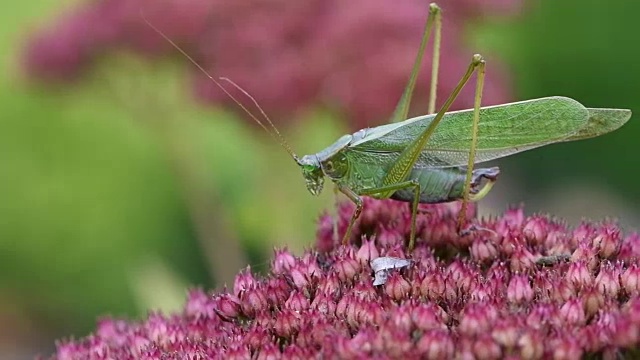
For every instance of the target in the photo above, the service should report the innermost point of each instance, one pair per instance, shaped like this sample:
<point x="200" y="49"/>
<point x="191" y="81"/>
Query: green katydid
<point x="430" y="158"/>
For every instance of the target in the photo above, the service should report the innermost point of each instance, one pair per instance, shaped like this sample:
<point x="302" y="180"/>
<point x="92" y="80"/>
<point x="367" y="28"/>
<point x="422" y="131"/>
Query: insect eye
<point x="328" y="165"/>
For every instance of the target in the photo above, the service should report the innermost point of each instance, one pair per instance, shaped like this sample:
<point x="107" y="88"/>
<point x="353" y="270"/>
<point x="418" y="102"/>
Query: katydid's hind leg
<point x="491" y="176"/>
<point x="402" y="108"/>
<point x="435" y="57"/>
<point x="357" y="200"/>
<point x="474" y="142"/>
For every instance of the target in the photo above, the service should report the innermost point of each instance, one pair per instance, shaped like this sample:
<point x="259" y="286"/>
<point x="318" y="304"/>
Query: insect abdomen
<point x="443" y="185"/>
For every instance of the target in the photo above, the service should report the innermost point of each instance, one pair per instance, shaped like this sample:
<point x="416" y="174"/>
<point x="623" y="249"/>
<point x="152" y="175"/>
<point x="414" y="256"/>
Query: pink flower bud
<point x="425" y="317"/>
<point x="433" y="285"/>
<point x="347" y="268"/>
<point x="396" y="344"/>
<point x="587" y="254"/>
<point x="630" y="280"/>
<point x="257" y="337"/>
<point x="397" y="287"/>
<point x="632" y="309"/>
<point x="519" y="290"/>
<point x="227" y="306"/>
<point x="299" y="276"/>
<point x="565" y="347"/>
<point x="269" y="352"/>
<point x="297" y="302"/>
<point x="199" y="305"/>
<point x="401" y="317"/>
<point x="572" y="312"/>
<point x="630" y="248"/>
<point x="436" y="344"/>
<point x="283" y="261"/>
<point x="244" y="280"/>
<point x="294" y="351"/>
<point x="522" y="260"/>
<point x="485" y="348"/>
<point x="278" y="290"/>
<point x="607" y="241"/>
<point x="286" y="323"/>
<point x="364" y="290"/>
<point x="513" y="218"/>
<point x="440" y="233"/>
<point x="371" y="313"/>
<point x="583" y="233"/>
<point x="481" y="292"/>
<point x="535" y="229"/>
<point x="557" y="241"/>
<point x="506" y="332"/>
<point x="253" y="300"/>
<point x="367" y="252"/>
<point x="483" y="250"/>
<point x="476" y="318"/>
<point x="324" y="305"/>
<point x="579" y="275"/>
<point x="626" y="333"/>
<point x="593" y="300"/>
<point x="608" y="280"/>
<point x="329" y="285"/>
<point x="236" y="352"/>
<point x="388" y="237"/>
<point x="531" y="345"/>
<point x="325" y="233"/>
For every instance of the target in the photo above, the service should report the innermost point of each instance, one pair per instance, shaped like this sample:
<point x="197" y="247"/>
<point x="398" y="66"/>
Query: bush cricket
<point x="430" y="158"/>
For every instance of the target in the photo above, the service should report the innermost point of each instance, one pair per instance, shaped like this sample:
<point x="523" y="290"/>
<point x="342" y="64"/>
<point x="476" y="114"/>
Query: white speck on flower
<point x="383" y="264"/>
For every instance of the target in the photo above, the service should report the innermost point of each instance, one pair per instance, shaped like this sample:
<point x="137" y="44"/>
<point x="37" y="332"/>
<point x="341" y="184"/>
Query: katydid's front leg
<point x="376" y="191"/>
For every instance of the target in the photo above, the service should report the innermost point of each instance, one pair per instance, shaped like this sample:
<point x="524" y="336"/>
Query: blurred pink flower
<point x="354" y="56"/>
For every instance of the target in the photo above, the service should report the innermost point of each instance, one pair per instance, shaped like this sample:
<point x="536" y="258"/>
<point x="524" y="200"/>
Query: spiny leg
<point x="402" y="109"/>
<point x="472" y="150"/>
<point x="435" y="66"/>
<point x="435" y="60"/>
<point x="375" y="191"/>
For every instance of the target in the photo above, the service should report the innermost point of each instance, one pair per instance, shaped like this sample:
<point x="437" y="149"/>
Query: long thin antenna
<point x="275" y="129"/>
<point x="274" y="134"/>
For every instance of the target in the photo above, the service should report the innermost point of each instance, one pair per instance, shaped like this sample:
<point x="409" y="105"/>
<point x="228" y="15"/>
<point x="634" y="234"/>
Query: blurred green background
<point x="103" y="195"/>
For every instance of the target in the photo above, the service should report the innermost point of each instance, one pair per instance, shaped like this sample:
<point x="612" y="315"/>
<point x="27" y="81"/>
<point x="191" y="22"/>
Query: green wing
<point x="503" y="130"/>
<point x="601" y="121"/>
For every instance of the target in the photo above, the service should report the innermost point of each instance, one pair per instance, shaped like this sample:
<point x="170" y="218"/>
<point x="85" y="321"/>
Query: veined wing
<point x="601" y="121"/>
<point x="503" y="130"/>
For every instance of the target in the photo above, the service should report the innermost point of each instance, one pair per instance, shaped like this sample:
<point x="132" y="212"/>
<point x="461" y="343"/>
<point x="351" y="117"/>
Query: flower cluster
<point x="519" y="287"/>
<point x="354" y="55"/>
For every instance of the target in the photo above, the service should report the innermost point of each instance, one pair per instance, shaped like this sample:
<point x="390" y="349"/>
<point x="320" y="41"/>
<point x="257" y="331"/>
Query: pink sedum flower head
<point x="447" y="300"/>
<point x="355" y="56"/>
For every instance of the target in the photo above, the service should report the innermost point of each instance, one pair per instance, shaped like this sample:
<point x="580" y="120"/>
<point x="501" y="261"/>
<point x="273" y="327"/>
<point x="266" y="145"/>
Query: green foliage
<point x="585" y="50"/>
